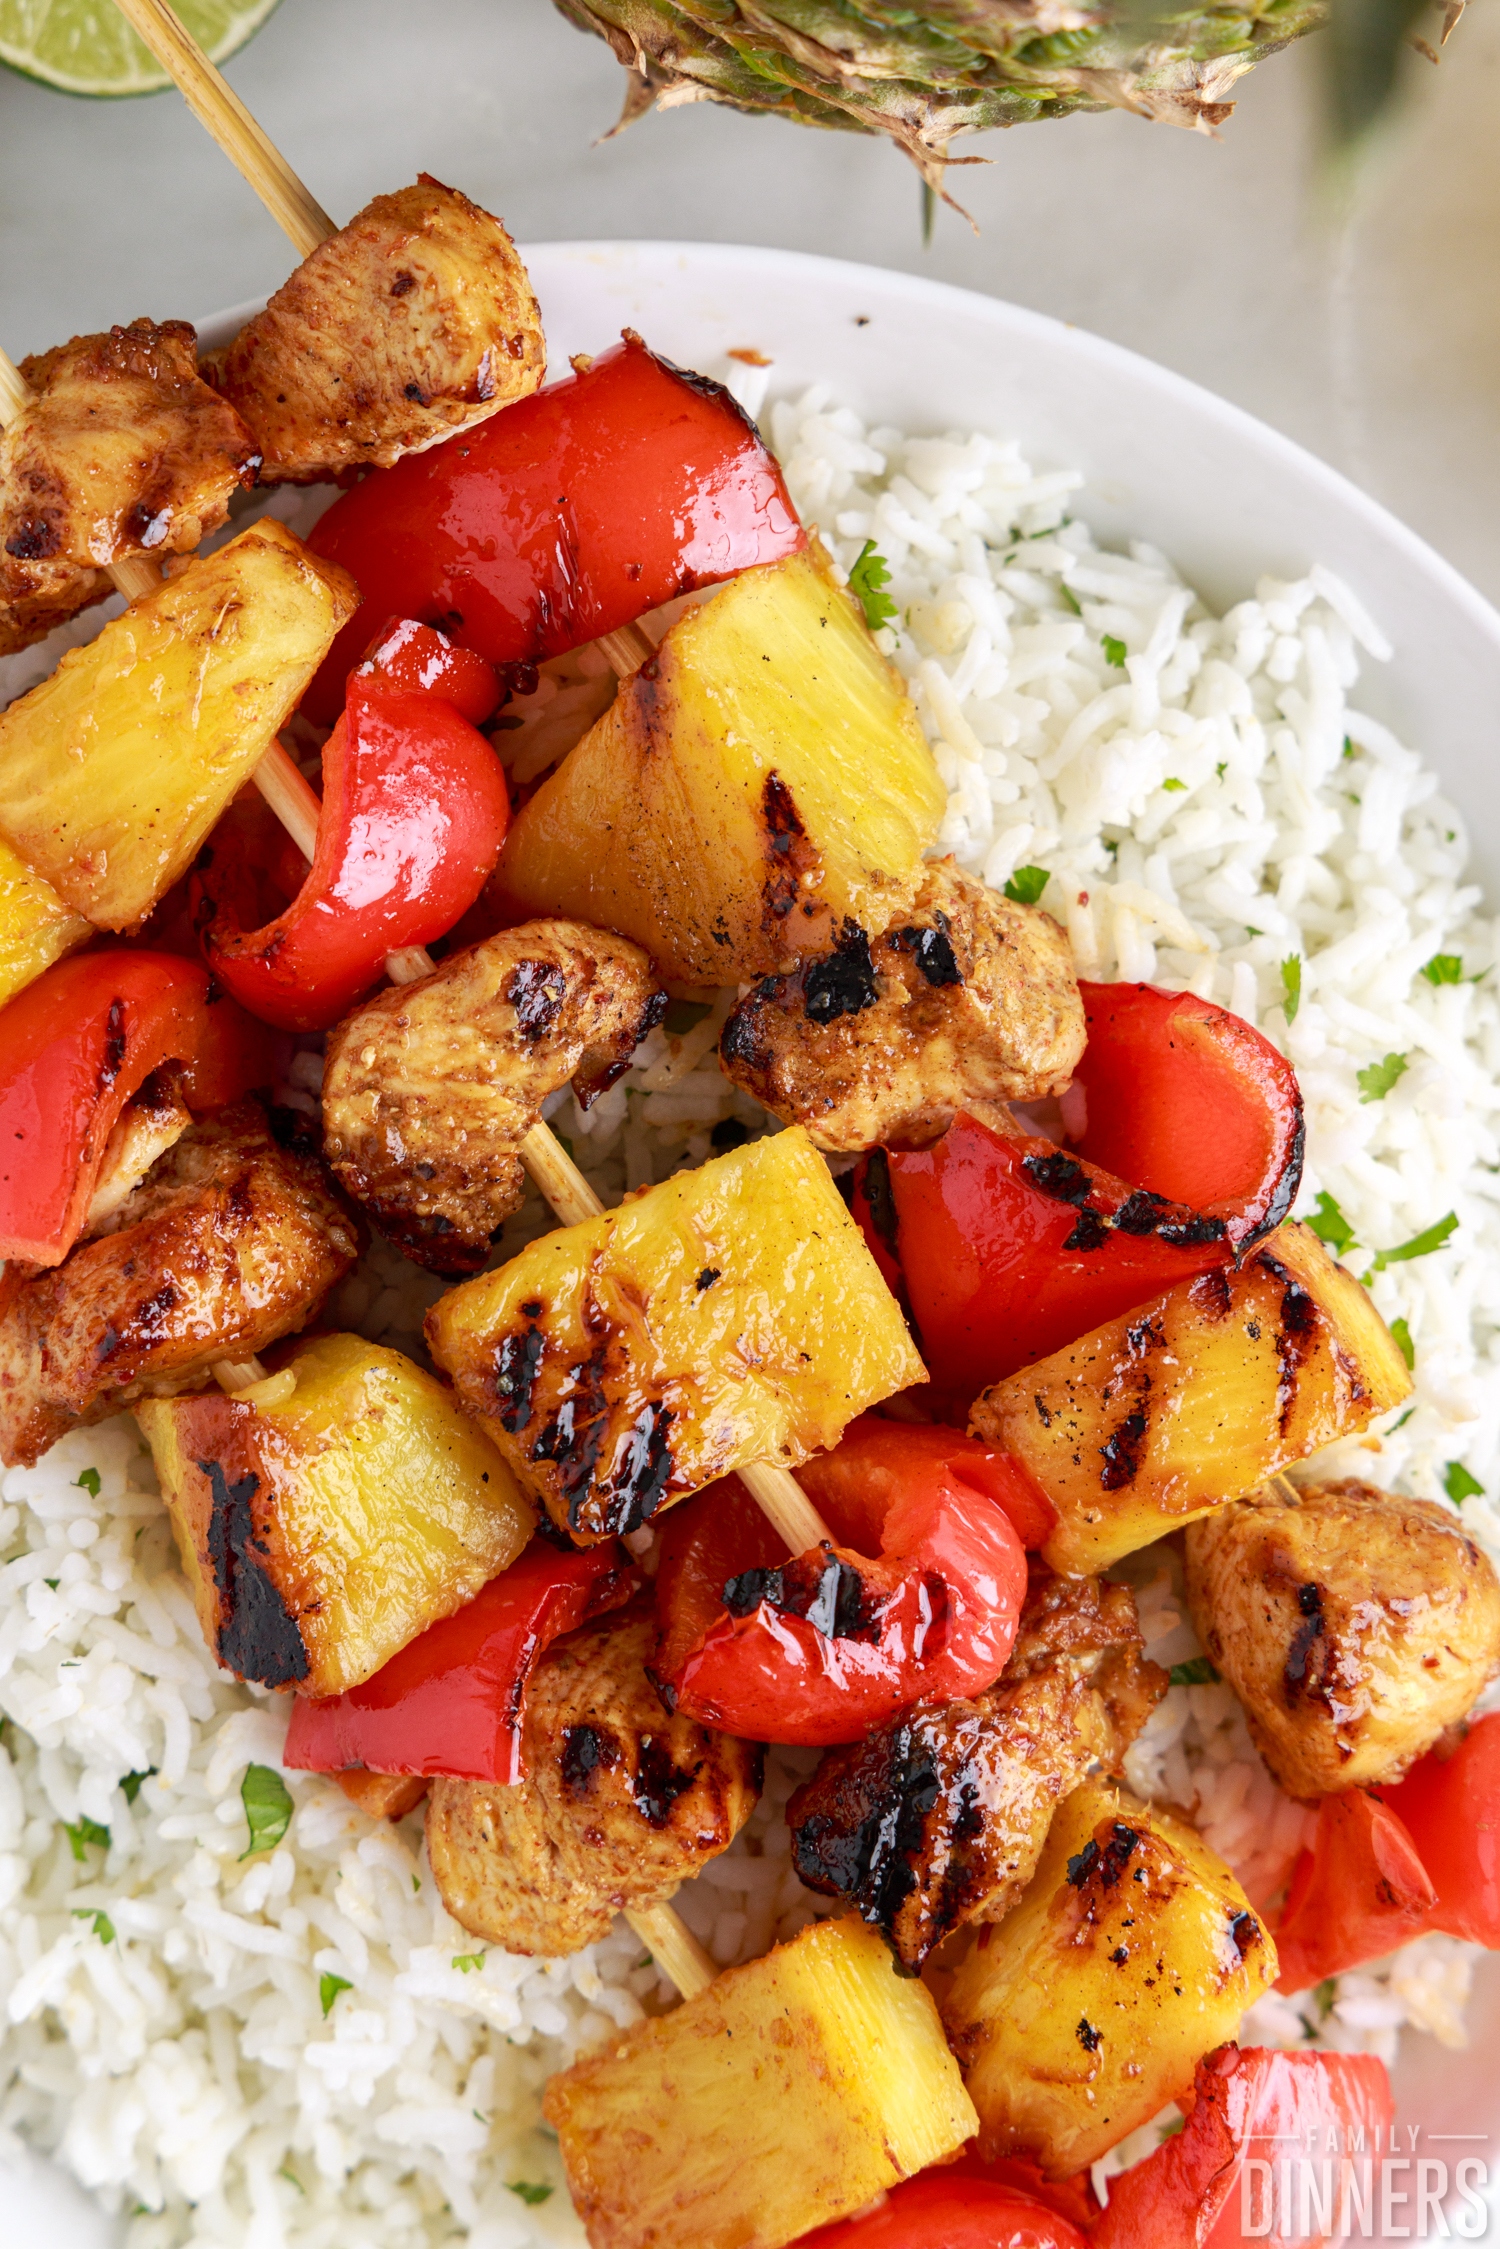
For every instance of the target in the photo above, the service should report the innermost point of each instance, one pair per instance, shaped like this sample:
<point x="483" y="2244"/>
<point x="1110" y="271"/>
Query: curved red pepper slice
<point x="1450" y="1807"/>
<point x="74" y="1047"/>
<point x="1359" y="1892"/>
<point x="1004" y="1250"/>
<point x="453" y="1700"/>
<point x="939" y="2211"/>
<point x="1211" y="2186"/>
<point x="419" y="657"/>
<point x="1189" y="1101"/>
<point x="415" y="809"/>
<point x="821" y="1647"/>
<point x="560" y="518"/>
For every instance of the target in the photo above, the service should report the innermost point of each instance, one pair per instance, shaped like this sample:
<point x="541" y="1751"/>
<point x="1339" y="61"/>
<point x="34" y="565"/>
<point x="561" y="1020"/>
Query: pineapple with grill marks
<point x="757" y="786"/>
<point x="727" y="1316"/>
<point x="1194" y="1398"/>
<point x="36" y="928"/>
<point x="789" y="2093"/>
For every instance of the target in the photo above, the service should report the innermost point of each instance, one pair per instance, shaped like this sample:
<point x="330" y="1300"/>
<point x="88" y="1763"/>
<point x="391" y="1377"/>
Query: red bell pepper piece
<point x="453" y="1699"/>
<point x="1359" y="1892"/>
<point x="820" y="1648"/>
<point x="560" y="518"/>
<point x="1004" y="1250"/>
<point x="1450" y="1807"/>
<point x="1219" y="2182"/>
<point x="1190" y="1102"/>
<point x="415" y="809"/>
<point x="74" y="1047"/>
<point x="419" y="657"/>
<point x="940" y="2211"/>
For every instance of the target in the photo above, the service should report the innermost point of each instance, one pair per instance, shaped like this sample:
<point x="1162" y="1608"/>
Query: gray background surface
<point x="1376" y="341"/>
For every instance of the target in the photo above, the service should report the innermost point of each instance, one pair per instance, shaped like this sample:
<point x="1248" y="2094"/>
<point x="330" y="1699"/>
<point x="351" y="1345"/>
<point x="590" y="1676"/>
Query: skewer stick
<point x="673" y="1947"/>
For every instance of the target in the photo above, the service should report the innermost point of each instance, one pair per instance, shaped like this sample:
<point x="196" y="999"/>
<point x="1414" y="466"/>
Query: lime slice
<point x="87" y="47"/>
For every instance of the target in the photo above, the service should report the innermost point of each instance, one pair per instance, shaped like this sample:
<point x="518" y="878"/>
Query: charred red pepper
<point x="415" y="809"/>
<point x="419" y="657"/>
<point x="919" y="1598"/>
<point x="453" y="1700"/>
<point x="74" y="1047"/>
<point x="560" y="518"/>
<point x="940" y="2211"/>
<point x="1004" y="1250"/>
<point x="1218" y="2182"/>
<point x="1450" y="1807"/>
<point x="1188" y="1101"/>
<point x="1359" y="1892"/>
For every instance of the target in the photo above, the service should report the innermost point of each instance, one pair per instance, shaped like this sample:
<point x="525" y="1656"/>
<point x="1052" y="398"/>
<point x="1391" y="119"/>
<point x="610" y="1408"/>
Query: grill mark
<point x="518" y="1362"/>
<point x="658" y="1782"/>
<point x="642" y="1473"/>
<point x="843" y="983"/>
<point x="1062" y="1178"/>
<point x="258" y="1636"/>
<point x="1246" y="1933"/>
<point x="114" y="1045"/>
<point x="1089" y="1232"/>
<point x="881" y="1201"/>
<point x="1297" y="1334"/>
<point x="1306" y="1655"/>
<point x="1192" y="1233"/>
<point x="743" y="1037"/>
<point x="586" y="1750"/>
<point x="1122" y="1452"/>
<point x="932" y="950"/>
<point x="1141" y="1212"/>
<point x="786" y="848"/>
<point x="1209" y="1294"/>
<point x="536" y="990"/>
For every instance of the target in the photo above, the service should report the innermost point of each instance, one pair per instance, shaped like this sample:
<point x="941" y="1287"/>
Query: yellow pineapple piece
<point x="36" y="928"/>
<point x="731" y="1314"/>
<point x="789" y="2093"/>
<point x="1132" y="1953"/>
<point x="758" y="782"/>
<point x="331" y="1513"/>
<point x="113" y="770"/>
<point x="1194" y="1398"/>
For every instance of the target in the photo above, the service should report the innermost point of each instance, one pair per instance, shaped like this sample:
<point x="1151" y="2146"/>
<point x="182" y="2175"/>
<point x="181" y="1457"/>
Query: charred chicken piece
<point x="1355" y="1626"/>
<point x="968" y="999"/>
<point x="229" y="1242"/>
<point x="939" y="1818"/>
<point x="124" y="451"/>
<point x="429" y="1089"/>
<point x="620" y="1802"/>
<point x="412" y="321"/>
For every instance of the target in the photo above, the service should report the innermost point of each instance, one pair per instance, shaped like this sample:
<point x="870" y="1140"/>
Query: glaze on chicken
<point x="1355" y="1625"/>
<point x="970" y="998"/>
<point x="230" y="1242"/>
<point x="620" y="1802"/>
<point x="430" y="1088"/>
<point x="412" y="321"/>
<point x="938" y="1819"/>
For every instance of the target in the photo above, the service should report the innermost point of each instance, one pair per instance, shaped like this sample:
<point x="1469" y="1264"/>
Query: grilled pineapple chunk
<point x="791" y="2092"/>
<point x="731" y="1314"/>
<point x="113" y="771"/>
<point x="761" y="780"/>
<point x="331" y="1513"/>
<point x="1194" y="1398"/>
<point x="1132" y="1953"/>
<point x="36" y="928"/>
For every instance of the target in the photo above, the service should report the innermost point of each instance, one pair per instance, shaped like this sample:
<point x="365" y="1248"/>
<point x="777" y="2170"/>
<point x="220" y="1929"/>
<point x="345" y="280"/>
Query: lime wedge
<point x="87" y="47"/>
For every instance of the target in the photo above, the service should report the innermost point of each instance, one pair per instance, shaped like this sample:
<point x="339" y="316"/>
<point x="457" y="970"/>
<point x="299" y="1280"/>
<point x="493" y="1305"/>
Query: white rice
<point x="1212" y="807"/>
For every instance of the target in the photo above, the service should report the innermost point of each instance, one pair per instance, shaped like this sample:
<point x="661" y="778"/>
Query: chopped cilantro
<point x="1420" y="1245"/>
<point x="467" y="1962"/>
<point x="104" y="1928"/>
<point x="1405" y="1418"/>
<point x="1444" y="968"/>
<point x="869" y="574"/>
<point x="329" y="1987"/>
<point x="1196" y="1672"/>
<point x="1459" y="1484"/>
<point x="1071" y="599"/>
<point x="268" y="1808"/>
<point x="89" y="1482"/>
<point x="1222" y="767"/>
<point x="130" y="1786"/>
<point x="1114" y="650"/>
<point x="1026" y="885"/>
<point x="1348" y="747"/>
<point x="1331" y="1226"/>
<point x="529" y="2192"/>
<point x="52" y="1583"/>
<point x="291" y="2179"/>
<point x="1376" y="1082"/>
<point x="87" y="1832"/>
<point x="1401" y="1337"/>
<point x="1291" y="988"/>
<point x="1174" y="784"/>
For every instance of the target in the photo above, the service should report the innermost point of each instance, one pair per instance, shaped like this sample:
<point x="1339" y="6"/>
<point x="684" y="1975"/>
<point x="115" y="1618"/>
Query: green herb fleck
<point x="1291" y="988"/>
<point x="530" y="2193"/>
<point x="1348" y="747"/>
<point x="52" y="1583"/>
<point x="1331" y="1226"/>
<point x="1114" y="650"/>
<point x="268" y="1808"/>
<point x="1376" y="1082"/>
<point x="1071" y="599"/>
<point x="1174" y="784"/>
<point x="1222" y="767"/>
<point x="1420" y="1245"/>
<point x="1401" y="1337"/>
<point x="1026" y="885"/>
<point x="87" y="1832"/>
<point x="291" y="2179"/>
<point x="89" y="1482"/>
<point x="1459" y="1484"/>
<point x="1196" y="1672"/>
<point x="467" y="1962"/>
<point x="104" y="1928"/>
<point x="869" y="574"/>
<point x="1401" y="1424"/>
<point x="416" y="1885"/>
<point x="329" y="1987"/>
<point x="130" y="1786"/>
<point x="1323" y="1998"/>
<point x="1444" y="968"/>
<point x="683" y="1016"/>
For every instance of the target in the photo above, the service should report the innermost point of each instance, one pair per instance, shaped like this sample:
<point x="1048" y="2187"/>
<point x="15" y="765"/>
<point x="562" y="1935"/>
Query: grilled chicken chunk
<point x="124" y="450"/>
<point x="970" y="998"/>
<point x="939" y="1818"/>
<point x="429" y="1089"/>
<point x="620" y="1802"/>
<point x="229" y="1242"/>
<point x="1354" y="1625"/>
<point x="412" y="321"/>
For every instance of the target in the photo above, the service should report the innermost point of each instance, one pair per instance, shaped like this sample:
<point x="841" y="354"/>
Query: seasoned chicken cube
<point x="412" y="321"/>
<point x="125" y="450"/>
<point x="968" y="998"/>
<point x="620" y="1802"/>
<point x="1354" y="1625"/>
<point x="230" y="1242"/>
<point x="939" y="1818"/>
<point x="430" y="1088"/>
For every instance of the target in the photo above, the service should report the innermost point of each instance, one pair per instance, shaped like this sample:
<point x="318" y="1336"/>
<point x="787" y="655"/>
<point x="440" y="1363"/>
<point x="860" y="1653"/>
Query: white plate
<point x="1222" y="495"/>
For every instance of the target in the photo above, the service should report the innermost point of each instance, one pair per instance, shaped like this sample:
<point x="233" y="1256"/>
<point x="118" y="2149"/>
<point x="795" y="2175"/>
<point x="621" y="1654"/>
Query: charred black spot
<point x="743" y="1037"/>
<point x="518" y="1362"/>
<point x="536" y="990"/>
<point x="114" y="1045"/>
<point x="1120" y="1955"/>
<point x="827" y="1593"/>
<point x="1141" y="1212"/>
<point x="585" y="1751"/>
<point x="154" y="1310"/>
<point x="258" y="1637"/>
<point x="1089" y="2038"/>
<point x="932" y="950"/>
<point x="34" y="541"/>
<point x="870" y="1855"/>
<point x="1145" y="1336"/>
<point x="779" y="811"/>
<point x="1122" y="1454"/>
<point x="416" y="394"/>
<point x="1089" y="1232"/>
<point x="532" y="1308"/>
<point x="843" y="983"/>
<point x="403" y="284"/>
<point x="1302" y="1669"/>
<point x="707" y="1277"/>
<point x="658" y="1782"/>
<point x="1116" y="1854"/>
<point x="1246" y="1932"/>
<point x="1061" y="1177"/>
<point x="1082" y="1863"/>
<point x="642" y="1473"/>
<point x="1210" y="1293"/>
<point x="750" y="1588"/>
<point x="1284" y="1194"/>
<point x="1192" y="1233"/>
<point x="880" y="1201"/>
<point x="1042" y="1413"/>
